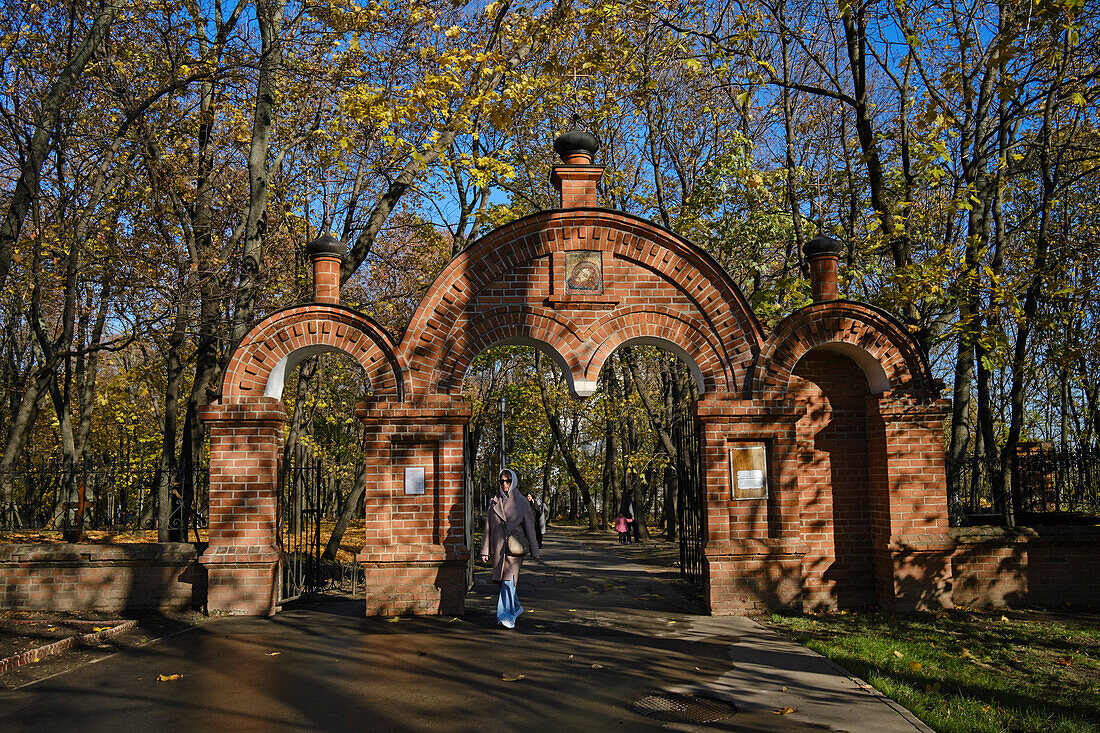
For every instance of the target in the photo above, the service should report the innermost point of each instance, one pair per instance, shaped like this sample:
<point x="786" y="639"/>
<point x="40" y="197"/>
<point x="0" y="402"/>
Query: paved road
<point x="601" y="631"/>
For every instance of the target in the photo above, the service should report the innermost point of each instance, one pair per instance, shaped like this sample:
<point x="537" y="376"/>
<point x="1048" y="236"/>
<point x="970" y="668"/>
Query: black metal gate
<point x="302" y="532"/>
<point x="468" y="457"/>
<point x="689" y="499"/>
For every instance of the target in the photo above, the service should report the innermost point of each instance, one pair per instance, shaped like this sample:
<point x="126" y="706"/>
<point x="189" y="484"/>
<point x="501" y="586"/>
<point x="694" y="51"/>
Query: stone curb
<point x="33" y="655"/>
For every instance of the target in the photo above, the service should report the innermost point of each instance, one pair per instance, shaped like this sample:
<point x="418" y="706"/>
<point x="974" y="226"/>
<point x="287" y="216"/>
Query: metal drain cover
<point x="677" y="708"/>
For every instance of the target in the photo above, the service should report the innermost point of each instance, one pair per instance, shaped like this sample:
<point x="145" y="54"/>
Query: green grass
<point x="964" y="670"/>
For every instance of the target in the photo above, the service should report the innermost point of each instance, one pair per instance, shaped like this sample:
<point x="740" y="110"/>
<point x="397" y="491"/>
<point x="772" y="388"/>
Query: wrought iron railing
<point x="99" y="494"/>
<point x="1047" y="484"/>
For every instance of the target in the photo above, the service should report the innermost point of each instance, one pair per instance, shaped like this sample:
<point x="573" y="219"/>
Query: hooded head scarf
<point x="512" y="503"/>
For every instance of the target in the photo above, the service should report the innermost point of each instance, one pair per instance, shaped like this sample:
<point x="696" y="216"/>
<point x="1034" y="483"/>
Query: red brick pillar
<point x="242" y="559"/>
<point x="752" y="552"/>
<point x="576" y="178"/>
<point x="326" y="253"/>
<point x="823" y="257"/>
<point x="415" y="552"/>
<point x="909" y="512"/>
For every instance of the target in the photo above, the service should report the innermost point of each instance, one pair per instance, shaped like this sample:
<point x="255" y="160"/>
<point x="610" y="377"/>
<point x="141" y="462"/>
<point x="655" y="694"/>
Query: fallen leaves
<point x="1066" y="661"/>
<point x="513" y="677"/>
<point x="169" y="677"/>
<point x="898" y="654"/>
<point x="785" y="710"/>
<point x="272" y="654"/>
<point x="391" y="620"/>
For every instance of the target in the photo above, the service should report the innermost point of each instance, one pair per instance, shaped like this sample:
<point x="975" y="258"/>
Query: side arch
<point x="875" y="341"/>
<point x="526" y="325"/>
<point x="278" y="343"/>
<point x="666" y="329"/>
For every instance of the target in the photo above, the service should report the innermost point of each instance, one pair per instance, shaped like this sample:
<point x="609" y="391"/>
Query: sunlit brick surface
<point x="838" y="394"/>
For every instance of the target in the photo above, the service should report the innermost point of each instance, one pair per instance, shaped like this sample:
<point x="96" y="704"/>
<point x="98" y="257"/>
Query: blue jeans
<point x="508" y="608"/>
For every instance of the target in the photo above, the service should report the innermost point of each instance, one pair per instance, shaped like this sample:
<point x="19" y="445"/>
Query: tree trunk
<point x="166" y="471"/>
<point x="269" y="14"/>
<point x="566" y="452"/>
<point x="27" y="185"/>
<point x="347" y="513"/>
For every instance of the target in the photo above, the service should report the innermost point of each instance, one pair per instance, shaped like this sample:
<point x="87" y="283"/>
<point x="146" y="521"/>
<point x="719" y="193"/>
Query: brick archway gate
<point x="579" y="282"/>
<point x="246" y="440"/>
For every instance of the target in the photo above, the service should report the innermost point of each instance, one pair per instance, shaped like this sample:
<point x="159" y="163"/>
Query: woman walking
<point x="508" y="514"/>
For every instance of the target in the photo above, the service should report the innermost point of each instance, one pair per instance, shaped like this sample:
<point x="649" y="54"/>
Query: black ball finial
<point x="577" y="142"/>
<point x="822" y="245"/>
<point x="326" y="244"/>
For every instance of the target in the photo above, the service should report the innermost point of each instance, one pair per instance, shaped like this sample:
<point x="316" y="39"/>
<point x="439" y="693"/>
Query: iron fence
<point x="312" y="493"/>
<point x="1047" y="485"/>
<point x="99" y="494"/>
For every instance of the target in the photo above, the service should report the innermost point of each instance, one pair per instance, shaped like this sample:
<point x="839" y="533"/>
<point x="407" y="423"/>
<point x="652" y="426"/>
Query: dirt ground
<point x="22" y="631"/>
<point x="46" y="628"/>
<point x="351" y="543"/>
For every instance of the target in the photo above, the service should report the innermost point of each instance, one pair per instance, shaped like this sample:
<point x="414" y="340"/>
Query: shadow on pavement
<point x="601" y="631"/>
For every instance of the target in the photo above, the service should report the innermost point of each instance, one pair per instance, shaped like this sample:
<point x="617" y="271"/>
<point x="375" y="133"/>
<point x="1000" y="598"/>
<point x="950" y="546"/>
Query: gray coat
<point x="494" y="538"/>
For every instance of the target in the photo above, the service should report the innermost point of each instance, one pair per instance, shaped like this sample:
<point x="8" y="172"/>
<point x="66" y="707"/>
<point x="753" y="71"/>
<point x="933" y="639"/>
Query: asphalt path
<point x="602" y="629"/>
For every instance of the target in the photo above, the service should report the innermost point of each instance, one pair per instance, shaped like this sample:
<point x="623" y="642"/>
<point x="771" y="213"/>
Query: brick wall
<point x="835" y="516"/>
<point x="1040" y="566"/>
<point x="101" y="577"/>
<point x="753" y="550"/>
<point x="510" y="287"/>
<point x="299" y="330"/>
<point x="834" y="500"/>
<point x="754" y="577"/>
<point x="899" y="470"/>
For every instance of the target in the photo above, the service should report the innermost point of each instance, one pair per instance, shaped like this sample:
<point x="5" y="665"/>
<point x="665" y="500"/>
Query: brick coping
<point x="1016" y="535"/>
<point x="91" y="552"/>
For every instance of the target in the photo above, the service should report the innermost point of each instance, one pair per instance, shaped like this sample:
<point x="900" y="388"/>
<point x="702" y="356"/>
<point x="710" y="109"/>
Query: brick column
<point x="327" y="254"/>
<point x="242" y="560"/>
<point x="752" y="552"/>
<point x="576" y="178"/>
<point x="823" y="257"/>
<point x="415" y="553"/>
<point x="577" y="184"/>
<point x="909" y="513"/>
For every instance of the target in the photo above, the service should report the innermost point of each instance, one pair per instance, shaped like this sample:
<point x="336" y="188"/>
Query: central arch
<point x="511" y="287"/>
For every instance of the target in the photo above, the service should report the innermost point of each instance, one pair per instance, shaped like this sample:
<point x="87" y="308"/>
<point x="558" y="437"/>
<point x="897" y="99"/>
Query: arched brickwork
<point x="868" y="336"/>
<point x="281" y="341"/>
<point x="836" y="378"/>
<point x="509" y="287"/>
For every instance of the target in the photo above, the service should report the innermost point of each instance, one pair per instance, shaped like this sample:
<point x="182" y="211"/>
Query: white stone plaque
<point x="750" y="480"/>
<point x="414" y="480"/>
